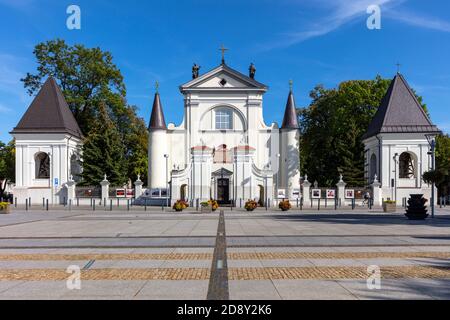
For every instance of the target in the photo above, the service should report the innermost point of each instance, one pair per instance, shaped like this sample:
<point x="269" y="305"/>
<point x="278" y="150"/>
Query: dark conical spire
<point x="400" y="112"/>
<point x="157" y="118"/>
<point x="49" y="113"/>
<point x="290" y="114"/>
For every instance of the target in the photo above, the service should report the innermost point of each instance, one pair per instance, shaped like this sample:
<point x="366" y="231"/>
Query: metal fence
<point x="88" y="192"/>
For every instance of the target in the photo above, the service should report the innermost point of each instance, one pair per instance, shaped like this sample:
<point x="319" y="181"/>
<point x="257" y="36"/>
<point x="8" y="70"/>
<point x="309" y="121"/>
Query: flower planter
<point x="389" y="207"/>
<point x="284" y="205"/>
<point x="250" y="205"/>
<point x="5" y="209"/>
<point x="206" y="209"/>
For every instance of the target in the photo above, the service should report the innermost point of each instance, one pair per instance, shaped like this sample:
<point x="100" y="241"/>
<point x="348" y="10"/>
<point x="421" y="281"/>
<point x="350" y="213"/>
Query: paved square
<point x="152" y="254"/>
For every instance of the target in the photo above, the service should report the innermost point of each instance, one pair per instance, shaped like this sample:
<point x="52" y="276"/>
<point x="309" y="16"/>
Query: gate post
<point x="138" y="187"/>
<point x="341" y="190"/>
<point x="105" y="189"/>
<point x="306" y="196"/>
<point x="376" y="192"/>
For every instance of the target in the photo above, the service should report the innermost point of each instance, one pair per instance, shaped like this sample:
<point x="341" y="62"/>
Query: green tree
<point x="88" y="78"/>
<point x="7" y="165"/>
<point x="332" y="127"/>
<point x="443" y="163"/>
<point x="104" y="153"/>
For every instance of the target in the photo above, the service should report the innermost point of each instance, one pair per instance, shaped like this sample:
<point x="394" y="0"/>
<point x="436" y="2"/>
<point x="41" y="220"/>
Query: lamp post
<point x="167" y="179"/>
<point x="432" y="142"/>
<point x="395" y="177"/>
<point x="278" y="173"/>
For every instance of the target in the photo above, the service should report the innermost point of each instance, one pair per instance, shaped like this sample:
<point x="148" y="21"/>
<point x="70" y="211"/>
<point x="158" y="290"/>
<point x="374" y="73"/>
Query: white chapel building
<point x="397" y="144"/>
<point x="48" y="146"/>
<point x="223" y="149"/>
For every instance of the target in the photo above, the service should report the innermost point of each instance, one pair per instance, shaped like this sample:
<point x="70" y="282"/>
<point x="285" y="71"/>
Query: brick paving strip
<point x="218" y="282"/>
<point x="231" y="256"/>
<point x="275" y="273"/>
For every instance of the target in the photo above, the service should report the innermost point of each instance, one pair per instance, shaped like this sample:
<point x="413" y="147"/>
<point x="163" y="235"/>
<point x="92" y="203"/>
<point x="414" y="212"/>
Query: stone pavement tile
<point x="36" y="290"/>
<point x="252" y="290"/>
<point x="286" y="263"/>
<point x="26" y="264"/>
<point x="26" y="251"/>
<point x="433" y="248"/>
<point x="312" y="290"/>
<point x="244" y="263"/>
<point x="404" y="262"/>
<point x="130" y="264"/>
<point x="193" y="250"/>
<point x="337" y="262"/>
<point x="186" y="264"/>
<point x="153" y="250"/>
<point x="400" y="289"/>
<point x="370" y="249"/>
<point x="174" y="290"/>
<point x="5" y="285"/>
<point x="313" y="249"/>
<point x="106" y="288"/>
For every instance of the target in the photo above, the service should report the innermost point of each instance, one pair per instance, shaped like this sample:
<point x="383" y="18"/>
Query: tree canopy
<point x="7" y="164"/>
<point x="89" y="79"/>
<point x="332" y="127"/>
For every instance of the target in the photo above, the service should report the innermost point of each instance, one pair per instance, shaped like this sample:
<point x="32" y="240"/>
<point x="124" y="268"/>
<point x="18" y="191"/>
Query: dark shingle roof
<point x="400" y="112"/>
<point x="49" y="113"/>
<point x="290" y="114"/>
<point x="157" y="118"/>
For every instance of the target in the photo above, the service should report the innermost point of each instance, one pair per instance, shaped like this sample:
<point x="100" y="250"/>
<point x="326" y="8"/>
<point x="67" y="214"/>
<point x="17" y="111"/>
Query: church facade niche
<point x="406" y="166"/>
<point x="42" y="165"/>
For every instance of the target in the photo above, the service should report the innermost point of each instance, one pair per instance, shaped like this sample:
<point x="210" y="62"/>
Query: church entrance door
<point x="223" y="191"/>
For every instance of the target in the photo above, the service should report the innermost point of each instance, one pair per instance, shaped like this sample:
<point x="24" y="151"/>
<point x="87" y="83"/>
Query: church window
<point x="223" y="82"/>
<point x="42" y="166"/>
<point x="406" y="166"/>
<point x="224" y="119"/>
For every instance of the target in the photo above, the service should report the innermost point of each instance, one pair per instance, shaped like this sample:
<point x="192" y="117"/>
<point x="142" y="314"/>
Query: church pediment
<point x="223" y="77"/>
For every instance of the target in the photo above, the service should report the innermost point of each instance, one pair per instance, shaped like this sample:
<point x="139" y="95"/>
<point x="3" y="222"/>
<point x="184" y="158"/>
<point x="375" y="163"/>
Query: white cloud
<point x="4" y="109"/>
<point x="419" y="21"/>
<point x="340" y="12"/>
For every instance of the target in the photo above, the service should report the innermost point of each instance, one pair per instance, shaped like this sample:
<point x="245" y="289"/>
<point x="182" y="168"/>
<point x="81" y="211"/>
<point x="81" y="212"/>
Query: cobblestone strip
<point x="218" y="282"/>
<point x="231" y="256"/>
<point x="112" y="256"/>
<point x="107" y="274"/>
<point x="324" y="273"/>
<point x="317" y="273"/>
<point x="333" y="255"/>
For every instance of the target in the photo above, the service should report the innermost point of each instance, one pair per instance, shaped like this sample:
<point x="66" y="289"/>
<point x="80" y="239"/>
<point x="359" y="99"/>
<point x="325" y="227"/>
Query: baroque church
<point x="223" y="149"/>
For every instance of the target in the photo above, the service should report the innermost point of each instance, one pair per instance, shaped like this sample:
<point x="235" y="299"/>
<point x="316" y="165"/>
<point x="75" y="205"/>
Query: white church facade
<point x="223" y="149"/>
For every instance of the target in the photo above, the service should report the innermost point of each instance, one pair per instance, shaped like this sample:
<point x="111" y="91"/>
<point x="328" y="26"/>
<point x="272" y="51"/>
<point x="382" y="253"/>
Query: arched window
<point x="42" y="166"/>
<point x="75" y="168"/>
<point x="406" y="166"/>
<point x="373" y="167"/>
<point x="224" y="119"/>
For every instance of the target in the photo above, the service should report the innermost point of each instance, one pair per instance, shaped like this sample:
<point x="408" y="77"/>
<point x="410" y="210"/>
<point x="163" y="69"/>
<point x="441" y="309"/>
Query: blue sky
<point x="308" y="41"/>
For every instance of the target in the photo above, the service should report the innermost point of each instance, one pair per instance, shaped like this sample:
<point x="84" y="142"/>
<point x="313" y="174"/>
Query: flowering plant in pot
<point x="251" y="205"/>
<point x="284" y="205"/>
<point x="389" y="206"/>
<point x="214" y="204"/>
<point x="5" y="207"/>
<point x="180" y="205"/>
